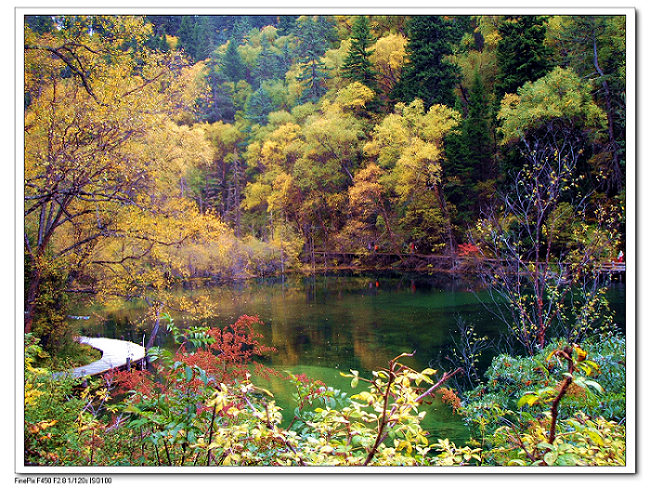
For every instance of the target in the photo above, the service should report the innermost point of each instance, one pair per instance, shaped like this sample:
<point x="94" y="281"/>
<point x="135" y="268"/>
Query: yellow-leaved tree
<point x="103" y="156"/>
<point x="409" y="145"/>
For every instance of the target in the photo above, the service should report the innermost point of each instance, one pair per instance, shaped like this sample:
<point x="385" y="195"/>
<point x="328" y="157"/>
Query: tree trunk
<point x="155" y="329"/>
<point x="613" y="145"/>
<point x="32" y="295"/>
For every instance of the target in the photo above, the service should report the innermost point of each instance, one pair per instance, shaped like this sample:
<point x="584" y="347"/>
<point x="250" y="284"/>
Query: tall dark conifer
<point x="258" y="106"/>
<point x="204" y="36"/>
<point x="186" y="35"/>
<point x="170" y="23"/>
<point x="357" y="66"/>
<point x="521" y="53"/>
<point x="478" y="127"/>
<point x="218" y="103"/>
<point x="469" y="165"/>
<point x="521" y="56"/>
<point x="428" y="75"/>
<point x="241" y="26"/>
<point x="314" y="36"/>
<point x="233" y="67"/>
<point x="269" y="64"/>
<point x="286" y="24"/>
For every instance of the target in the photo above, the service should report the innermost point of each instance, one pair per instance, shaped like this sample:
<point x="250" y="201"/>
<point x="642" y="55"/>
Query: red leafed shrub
<point x="125" y="381"/>
<point x="239" y="342"/>
<point x="467" y="249"/>
<point x="228" y="357"/>
<point x="233" y="348"/>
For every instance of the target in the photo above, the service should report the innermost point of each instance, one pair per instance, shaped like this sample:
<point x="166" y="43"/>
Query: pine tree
<point x="233" y="67"/>
<point x="186" y="35"/>
<point x="358" y="66"/>
<point x="241" y="27"/>
<point x="218" y="104"/>
<point x="314" y="35"/>
<point x="427" y="74"/>
<point x="469" y="164"/>
<point x="204" y="37"/>
<point x="170" y="23"/>
<point x="478" y="127"/>
<point x="286" y="24"/>
<point x="258" y="106"/>
<point x="269" y="64"/>
<point x="521" y="53"/>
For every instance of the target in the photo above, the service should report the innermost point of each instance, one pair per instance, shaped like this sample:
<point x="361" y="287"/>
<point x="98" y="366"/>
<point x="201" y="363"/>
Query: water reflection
<point x="346" y="322"/>
<point x="326" y="324"/>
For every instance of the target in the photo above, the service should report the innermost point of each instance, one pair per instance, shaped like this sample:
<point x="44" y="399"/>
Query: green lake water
<point x="321" y="326"/>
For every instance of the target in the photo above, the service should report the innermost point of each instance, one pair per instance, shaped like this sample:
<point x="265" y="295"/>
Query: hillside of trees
<point x="162" y="148"/>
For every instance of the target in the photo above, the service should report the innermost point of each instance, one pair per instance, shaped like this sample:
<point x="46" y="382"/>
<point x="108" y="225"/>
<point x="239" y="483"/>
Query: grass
<point x="71" y="355"/>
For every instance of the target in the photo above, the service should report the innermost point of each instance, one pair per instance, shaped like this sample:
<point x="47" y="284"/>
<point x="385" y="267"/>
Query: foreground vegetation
<point x="199" y="408"/>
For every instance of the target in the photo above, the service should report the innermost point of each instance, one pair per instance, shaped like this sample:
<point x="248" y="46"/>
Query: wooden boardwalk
<point x="115" y="354"/>
<point x="613" y="267"/>
<point x="418" y="260"/>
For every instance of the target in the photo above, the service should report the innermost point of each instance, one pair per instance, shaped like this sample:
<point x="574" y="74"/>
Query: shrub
<point x="199" y="408"/>
<point x="542" y="410"/>
<point x="508" y="378"/>
<point x="62" y="423"/>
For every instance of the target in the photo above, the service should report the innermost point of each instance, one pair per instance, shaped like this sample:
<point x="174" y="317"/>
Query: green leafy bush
<point x="62" y="421"/>
<point x="509" y="378"/>
<point x="580" y="441"/>
<point x="563" y="406"/>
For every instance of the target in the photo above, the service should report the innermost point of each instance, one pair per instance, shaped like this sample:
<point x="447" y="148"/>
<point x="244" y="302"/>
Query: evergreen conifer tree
<point x="268" y="65"/>
<point x="286" y="24"/>
<point x="521" y="53"/>
<point x="258" y="106"/>
<point x="478" y="127"/>
<point x="428" y="75"/>
<point x="241" y="27"/>
<point x="218" y="104"/>
<point x="233" y="67"/>
<point x="186" y="35"/>
<point x="358" y="66"/>
<point x="469" y="163"/>
<point x="314" y="35"/>
<point x="204" y="37"/>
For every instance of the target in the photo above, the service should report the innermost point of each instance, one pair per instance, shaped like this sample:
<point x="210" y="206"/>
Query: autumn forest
<point x="162" y="150"/>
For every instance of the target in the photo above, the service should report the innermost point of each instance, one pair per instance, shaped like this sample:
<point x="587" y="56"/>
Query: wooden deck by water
<point x="115" y="354"/>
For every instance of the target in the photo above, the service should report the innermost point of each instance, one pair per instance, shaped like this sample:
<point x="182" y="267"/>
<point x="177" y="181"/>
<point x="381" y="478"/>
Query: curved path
<point x="115" y="354"/>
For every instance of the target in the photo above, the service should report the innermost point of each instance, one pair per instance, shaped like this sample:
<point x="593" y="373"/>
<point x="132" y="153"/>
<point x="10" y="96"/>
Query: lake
<point x="322" y="325"/>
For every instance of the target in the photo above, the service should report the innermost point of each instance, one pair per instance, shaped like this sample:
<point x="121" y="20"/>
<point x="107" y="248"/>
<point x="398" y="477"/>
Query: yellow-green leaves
<point x="354" y="96"/>
<point x="409" y="143"/>
<point x="559" y="96"/>
<point x="389" y="56"/>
